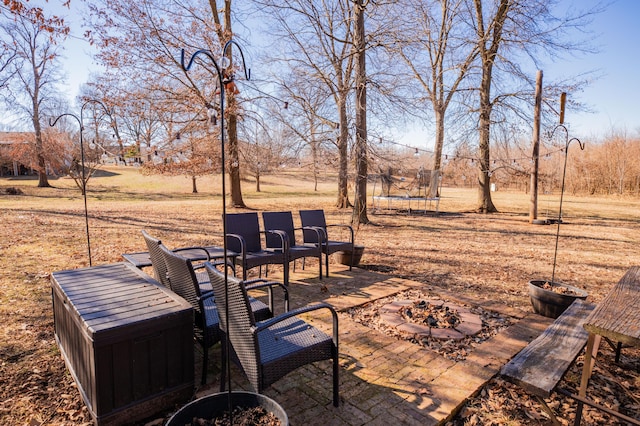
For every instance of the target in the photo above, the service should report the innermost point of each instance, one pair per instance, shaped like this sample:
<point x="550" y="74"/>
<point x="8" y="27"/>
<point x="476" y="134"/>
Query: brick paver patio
<point x="383" y="380"/>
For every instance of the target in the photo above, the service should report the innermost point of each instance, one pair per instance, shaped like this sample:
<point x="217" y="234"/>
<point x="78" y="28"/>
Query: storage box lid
<point x="115" y="295"/>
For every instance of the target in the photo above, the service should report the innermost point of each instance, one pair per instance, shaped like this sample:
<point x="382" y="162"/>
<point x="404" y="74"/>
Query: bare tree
<point x="19" y="10"/>
<point x="362" y="160"/>
<point x="320" y="35"/>
<point x="31" y="89"/>
<point x="136" y="112"/>
<point x="261" y="151"/>
<point x="304" y="118"/>
<point x="489" y="39"/>
<point x="7" y="55"/>
<point x="142" y="40"/>
<point x="191" y="158"/>
<point x="432" y="40"/>
<point x="510" y="33"/>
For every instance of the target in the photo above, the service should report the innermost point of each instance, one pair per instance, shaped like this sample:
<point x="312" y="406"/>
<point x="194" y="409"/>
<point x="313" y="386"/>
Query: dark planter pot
<point x="344" y="257"/>
<point x="211" y="406"/>
<point x="549" y="303"/>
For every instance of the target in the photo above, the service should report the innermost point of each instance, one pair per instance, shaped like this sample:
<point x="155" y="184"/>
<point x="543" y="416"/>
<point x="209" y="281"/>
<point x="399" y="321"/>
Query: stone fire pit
<point x="454" y="332"/>
<point x="431" y="318"/>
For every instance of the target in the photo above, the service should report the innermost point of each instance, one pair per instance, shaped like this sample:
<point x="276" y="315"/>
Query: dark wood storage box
<point x="127" y="341"/>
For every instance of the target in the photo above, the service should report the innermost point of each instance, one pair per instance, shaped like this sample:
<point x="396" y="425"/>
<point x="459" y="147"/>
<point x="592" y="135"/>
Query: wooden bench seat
<point x="541" y="365"/>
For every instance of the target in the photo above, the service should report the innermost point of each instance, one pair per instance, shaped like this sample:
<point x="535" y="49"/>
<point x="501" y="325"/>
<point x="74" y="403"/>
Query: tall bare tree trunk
<point x="225" y="33"/>
<point x="234" y="159"/>
<point x="360" y="200"/>
<point x="314" y="158"/>
<point x="533" y="187"/>
<point x="485" y="204"/>
<point x="437" y="157"/>
<point x="43" y="180"/>
<point x="232" y="125"/>
<point x="489" y="39"/>
<point x="441" y="68"/>
<point x="343" y="142"/>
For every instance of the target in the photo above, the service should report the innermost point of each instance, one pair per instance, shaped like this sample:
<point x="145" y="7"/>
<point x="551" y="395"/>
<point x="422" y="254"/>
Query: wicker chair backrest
<point x="246" y="225"/>
<point x="311" y="218"/>
<point x="282" y="221"/>
<point x="182" y="278"/>
<point x="157" y="260"/>
<point x="239" y="322"/>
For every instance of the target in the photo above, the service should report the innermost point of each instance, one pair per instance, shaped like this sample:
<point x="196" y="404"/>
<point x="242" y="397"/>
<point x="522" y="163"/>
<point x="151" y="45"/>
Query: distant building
<point x="8" y="166"/>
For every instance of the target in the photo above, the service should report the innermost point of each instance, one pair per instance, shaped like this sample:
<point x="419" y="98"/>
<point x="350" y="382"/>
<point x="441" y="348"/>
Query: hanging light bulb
<point x="224" y="62"/>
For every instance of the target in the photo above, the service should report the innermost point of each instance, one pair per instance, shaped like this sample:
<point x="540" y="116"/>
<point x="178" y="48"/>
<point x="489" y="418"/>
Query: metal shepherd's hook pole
<point x="52" y="122"/>
<point x="564" y="172"/>
<point x="223" y="79"/>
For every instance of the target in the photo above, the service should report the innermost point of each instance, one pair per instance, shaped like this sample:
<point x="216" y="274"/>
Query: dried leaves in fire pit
<point x="456" y="350"/>
<point x="433" y="315"/>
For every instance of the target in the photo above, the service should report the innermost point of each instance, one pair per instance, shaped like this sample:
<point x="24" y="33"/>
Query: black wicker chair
<point x="283" y="221"/>
<point x="245" y="238"/>
<point x="268" y="350"/>
<point x="160" y="268"/>
<point x="315" y="219"/>
<point x="183" y="282"/>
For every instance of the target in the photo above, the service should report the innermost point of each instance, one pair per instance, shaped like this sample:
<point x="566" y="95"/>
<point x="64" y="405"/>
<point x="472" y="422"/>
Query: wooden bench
<point x="541" y="365"/>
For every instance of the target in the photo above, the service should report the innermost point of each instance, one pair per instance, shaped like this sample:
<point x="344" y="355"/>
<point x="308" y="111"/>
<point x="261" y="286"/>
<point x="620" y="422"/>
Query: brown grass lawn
<point x="481" y="256"/>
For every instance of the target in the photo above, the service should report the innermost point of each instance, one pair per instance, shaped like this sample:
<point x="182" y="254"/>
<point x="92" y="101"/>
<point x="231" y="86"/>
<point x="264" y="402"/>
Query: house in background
<point x="9" y="166"/>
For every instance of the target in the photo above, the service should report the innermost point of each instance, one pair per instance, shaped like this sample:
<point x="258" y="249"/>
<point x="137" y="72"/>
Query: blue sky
<point x="614" y="97"/>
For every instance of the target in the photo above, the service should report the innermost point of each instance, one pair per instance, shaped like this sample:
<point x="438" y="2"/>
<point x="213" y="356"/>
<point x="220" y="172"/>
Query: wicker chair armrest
<point x="206" y="295"/>
<point x="243" y="245"/>
<point x="322" y="233"/>
<point x="204" y="250"/>
<point x="284" y="239"/>
<point x="262" y="283"/>
<point x="349" y="227"/>
<point x="263" y="325"/>
<point x="301" y="229"/>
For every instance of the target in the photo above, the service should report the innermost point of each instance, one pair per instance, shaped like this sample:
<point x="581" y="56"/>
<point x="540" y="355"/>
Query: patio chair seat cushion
<point x="262" y="257"/>
<point x="290" y="344"/>
<point x="212" y="321"/>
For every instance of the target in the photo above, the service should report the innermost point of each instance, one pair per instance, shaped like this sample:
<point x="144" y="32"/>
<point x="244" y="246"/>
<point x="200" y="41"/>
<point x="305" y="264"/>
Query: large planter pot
<point x="344" y="257"/>
<point x="550" y="303"/>
<point x="212" y="406"/>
